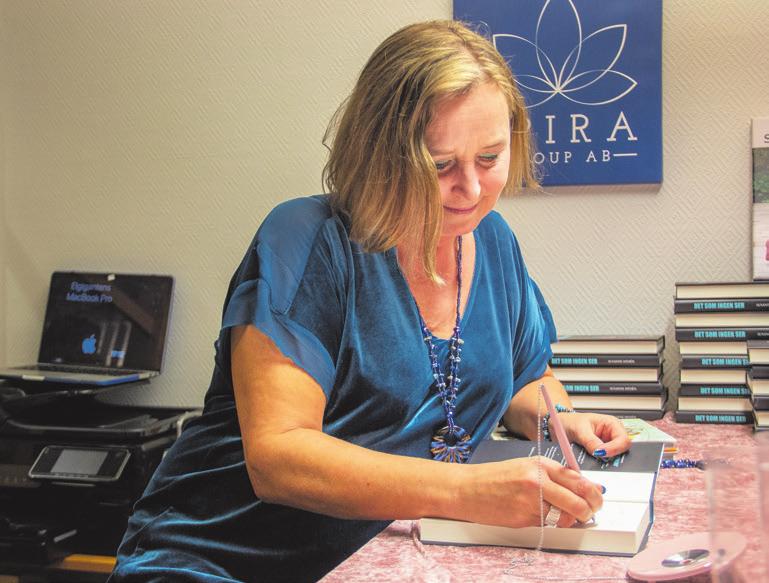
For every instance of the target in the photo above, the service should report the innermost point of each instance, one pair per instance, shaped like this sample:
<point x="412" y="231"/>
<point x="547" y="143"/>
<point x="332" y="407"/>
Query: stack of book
<point x="758" y="382"/>
<point x="615" y="375"/>
<point x="714" y="322"/>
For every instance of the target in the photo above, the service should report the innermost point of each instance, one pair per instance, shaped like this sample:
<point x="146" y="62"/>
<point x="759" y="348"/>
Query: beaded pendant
<point x="450" y="443"/>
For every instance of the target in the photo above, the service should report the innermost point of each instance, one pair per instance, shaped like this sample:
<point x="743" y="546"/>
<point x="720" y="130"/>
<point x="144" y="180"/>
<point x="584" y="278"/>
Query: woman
<point x="368" y="334"/>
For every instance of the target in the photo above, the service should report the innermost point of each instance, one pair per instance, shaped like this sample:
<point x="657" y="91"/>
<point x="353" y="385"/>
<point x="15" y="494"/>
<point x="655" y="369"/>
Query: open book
<point x="620" y="527"/>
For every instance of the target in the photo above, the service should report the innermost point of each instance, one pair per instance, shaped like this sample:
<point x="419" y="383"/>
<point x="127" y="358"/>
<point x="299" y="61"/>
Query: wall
<point x="155" y="136"/>
<point x="4" y="78"/>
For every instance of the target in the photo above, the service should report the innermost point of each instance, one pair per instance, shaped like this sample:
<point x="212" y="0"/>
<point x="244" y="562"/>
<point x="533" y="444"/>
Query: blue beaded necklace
<point x="450" y="443"/>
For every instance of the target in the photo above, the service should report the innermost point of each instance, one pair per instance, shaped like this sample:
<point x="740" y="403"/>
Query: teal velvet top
<point x="349" y="320"/>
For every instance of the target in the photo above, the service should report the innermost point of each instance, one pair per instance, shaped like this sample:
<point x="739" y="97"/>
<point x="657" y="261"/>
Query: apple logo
<point x="89" y="344"/>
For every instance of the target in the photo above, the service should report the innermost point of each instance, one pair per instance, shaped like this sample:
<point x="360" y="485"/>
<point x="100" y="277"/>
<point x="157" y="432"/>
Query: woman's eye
<point x="442" y="165"/>
<point x="489" y="158"/>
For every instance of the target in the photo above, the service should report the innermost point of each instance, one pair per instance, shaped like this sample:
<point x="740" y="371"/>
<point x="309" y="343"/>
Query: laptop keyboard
<point x="83" y="369"/>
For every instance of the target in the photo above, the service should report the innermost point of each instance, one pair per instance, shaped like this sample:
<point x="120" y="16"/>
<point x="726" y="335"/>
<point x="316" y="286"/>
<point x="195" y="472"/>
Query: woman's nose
<point x="468" y="181"/>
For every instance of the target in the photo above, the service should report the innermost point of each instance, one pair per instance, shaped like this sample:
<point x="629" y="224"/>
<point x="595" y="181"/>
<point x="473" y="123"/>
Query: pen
<point x="560" y="433"/>
<point x="563" y="441"/>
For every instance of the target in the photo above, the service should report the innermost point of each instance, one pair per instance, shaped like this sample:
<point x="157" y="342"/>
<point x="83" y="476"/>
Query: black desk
<point x="74" y="568"/>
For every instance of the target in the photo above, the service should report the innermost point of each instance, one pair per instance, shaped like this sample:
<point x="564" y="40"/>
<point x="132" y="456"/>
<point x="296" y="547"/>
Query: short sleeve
<point x="290" y="285"/>
<point x="535" y="331"/>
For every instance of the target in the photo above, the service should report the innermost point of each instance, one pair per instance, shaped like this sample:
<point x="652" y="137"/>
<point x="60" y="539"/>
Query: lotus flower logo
<point x="583" y="72"/>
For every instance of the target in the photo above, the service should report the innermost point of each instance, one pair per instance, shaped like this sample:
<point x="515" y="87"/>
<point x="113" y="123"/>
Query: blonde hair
<point x="380" y="173"/>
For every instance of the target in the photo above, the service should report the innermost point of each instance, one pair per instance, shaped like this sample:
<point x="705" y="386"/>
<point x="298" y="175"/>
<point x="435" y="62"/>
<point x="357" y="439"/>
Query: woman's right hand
<point x="507" y="493"/>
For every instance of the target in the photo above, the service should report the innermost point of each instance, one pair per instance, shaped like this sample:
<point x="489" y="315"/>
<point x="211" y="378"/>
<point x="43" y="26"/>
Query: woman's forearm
<point x="521" y="416"/>
<point x="308" y="469"/>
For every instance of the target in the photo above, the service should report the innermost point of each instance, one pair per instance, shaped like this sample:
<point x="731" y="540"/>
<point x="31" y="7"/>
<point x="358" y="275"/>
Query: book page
<point x="620" y="517"/>
<point x="623" y="486"/>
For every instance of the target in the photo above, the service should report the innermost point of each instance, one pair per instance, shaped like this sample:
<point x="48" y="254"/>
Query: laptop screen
<point x="106" y="320"/>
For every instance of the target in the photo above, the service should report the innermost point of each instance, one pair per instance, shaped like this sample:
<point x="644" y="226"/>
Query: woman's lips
<point x="460" y="211"/>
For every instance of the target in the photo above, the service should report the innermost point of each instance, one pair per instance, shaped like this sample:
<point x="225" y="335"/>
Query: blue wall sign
<point x="591" y="74"/>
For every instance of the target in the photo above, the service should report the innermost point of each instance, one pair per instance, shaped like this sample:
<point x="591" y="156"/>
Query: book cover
<point x="608" y="344"/>
<point x="620" y="527"/>
<point x="609" y="360"/>
<point x="731" y="348"/>
<point x="760" y="402"/>
<point x="713" y="361"/>
<point x="723" y="305"/>
<point x="595" y="388"/>
<point x="639" y="430"/>
<point x="713" y="417"/>
<point x="759" y="371"/>
<point x="721" y="290"/>
<point x="760" y="155"/>
<point x="607" y="374"/>
<point x="720" y="334"/>
<point x="705" y="390"/>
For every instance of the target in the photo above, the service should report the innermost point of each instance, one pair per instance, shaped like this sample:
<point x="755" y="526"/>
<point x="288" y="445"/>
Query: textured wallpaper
<point x="4" y="78"/>
<point x="154" y="137"/>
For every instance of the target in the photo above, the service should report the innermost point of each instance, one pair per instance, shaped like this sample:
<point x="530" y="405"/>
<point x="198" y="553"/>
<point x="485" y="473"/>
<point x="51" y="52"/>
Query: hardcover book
<point x="721" y="334"/>
<point x="760" y="402"/>
<point x="761" y="420"/>
<point x="713" y="361"/>
<point x="596" y="388"/>
<point x="704" y="390"/>
<point x="714" y="417"/>
<point x="760" y="155"/>
<point x="608" y="344"/>
<point x="593" y="360"/>
<point x="759" y="371"/>
<point x="620" y="527"/>
<point x="639" y="430"/>
<point x="722" y="305"/>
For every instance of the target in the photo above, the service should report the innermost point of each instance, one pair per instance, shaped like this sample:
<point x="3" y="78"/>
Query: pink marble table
<point x="680" y="505"/>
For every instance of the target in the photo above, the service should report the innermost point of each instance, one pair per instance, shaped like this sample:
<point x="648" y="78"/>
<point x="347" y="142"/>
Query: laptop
<point x="101" y="329"/>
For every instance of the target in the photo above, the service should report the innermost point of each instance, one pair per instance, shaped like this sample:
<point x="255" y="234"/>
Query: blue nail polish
<point x="603" y="489"/>
<point x="599" y="453"/>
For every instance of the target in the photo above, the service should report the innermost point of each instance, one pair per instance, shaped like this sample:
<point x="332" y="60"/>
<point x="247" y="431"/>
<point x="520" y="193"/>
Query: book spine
<point x="721" y="334"/>
<point x="606" y="360"/>
<point x="575" y="388"/>
<point x="761" y="402"/>
<point x="702" y="361"/>
<point x="711" y="417"/>
<point x="714" y="391"/>
<point x="705" y="306"/>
